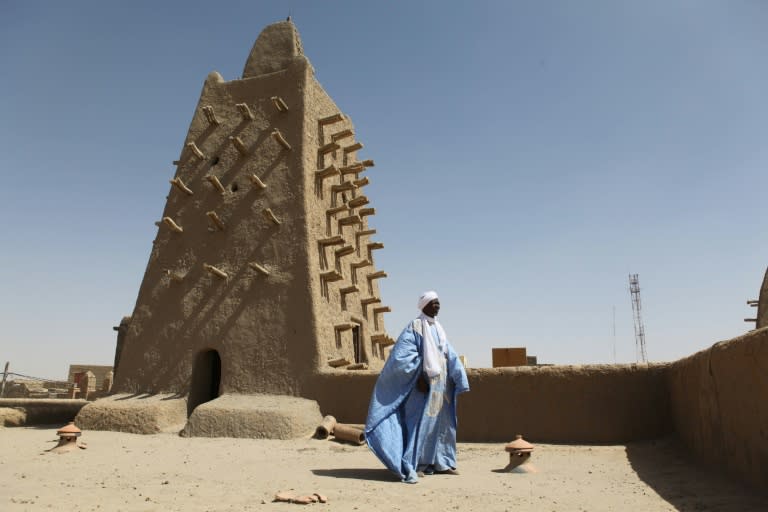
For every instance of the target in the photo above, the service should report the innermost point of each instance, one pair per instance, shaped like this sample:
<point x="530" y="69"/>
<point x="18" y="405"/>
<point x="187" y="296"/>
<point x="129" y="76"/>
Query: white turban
<point x="434" y="349"/>
<point x="426" y="298"/>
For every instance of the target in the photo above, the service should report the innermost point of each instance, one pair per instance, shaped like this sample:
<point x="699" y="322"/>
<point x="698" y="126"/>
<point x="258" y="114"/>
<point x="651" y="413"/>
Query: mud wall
<point x="40" y="411"/>
<point x="719" y="408"/>
<point x="573" y="404"/>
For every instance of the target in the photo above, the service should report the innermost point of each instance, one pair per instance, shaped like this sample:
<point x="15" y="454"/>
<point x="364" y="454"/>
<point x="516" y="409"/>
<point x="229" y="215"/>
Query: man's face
<point x="432" y="309"/>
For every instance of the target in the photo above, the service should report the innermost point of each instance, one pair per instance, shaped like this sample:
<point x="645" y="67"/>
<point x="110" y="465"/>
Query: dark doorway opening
<point x="206" y="379"/>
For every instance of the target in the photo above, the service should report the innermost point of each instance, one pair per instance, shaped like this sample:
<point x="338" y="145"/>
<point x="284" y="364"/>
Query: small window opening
<point x="357" y="344"/>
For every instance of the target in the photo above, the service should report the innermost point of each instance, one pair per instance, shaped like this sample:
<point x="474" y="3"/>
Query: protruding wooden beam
<point x="216" y="183"/>
<point x="335" y="118"/>
<point x="279" y="104"/>
<point x="343" y="187"/>
<point x="347" y="290"/>
<point x="368" y="163"/>
<point x="382" y="339"/>
<point x="353" y="147"/>
<point x="372" y="247"/>
<point x="375" y="275"/>
<point x="376" y="312"/>
<point x="357" y="202"/>
<point x="352" y="169"/>
<point x="280" y="139"/>
<point x="210" y="115"/>
<point x="329" y="171"/>
<point x="257" y="182"/>
<point x="361" y="182"/>
<point x="360" y="264"/>
<point x="239" y="146"/>
<point x="367" y="211"/>
<point x="334" y="240"/>
<point x="343" y="251"/>
<point x="331" y="276"/>
<point x="176" y="182"/>
<point x="356" y="265"/>
<point x="191" y="146"/>
<point x="343" y="134"/>
<point x="216" y="219"/>
<point x="349" y="221"/>
<point x="215" y="271"/>
<point x="271" y="216"/>
<point x="368" y="301"/>
<point x="362" y="233"/>
<point x="330" y="213"/>
<point x="258" y="268"/>
<point x="245" y="111"/>
<point x="339" y="362"/>
<point x="171" y="224"/>
<point x="327" y="148"/>
<point x="336" y="209"/>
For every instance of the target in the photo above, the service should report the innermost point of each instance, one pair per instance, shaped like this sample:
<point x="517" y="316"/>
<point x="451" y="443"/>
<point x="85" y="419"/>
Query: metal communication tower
<point x="634" y="292"/>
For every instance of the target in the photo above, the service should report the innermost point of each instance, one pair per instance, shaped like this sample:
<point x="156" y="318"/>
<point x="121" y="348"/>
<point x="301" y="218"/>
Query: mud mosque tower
<point x="263" y="270"/>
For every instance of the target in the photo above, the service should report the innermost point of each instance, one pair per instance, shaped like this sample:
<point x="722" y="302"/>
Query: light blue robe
<point x="408" y="429"/>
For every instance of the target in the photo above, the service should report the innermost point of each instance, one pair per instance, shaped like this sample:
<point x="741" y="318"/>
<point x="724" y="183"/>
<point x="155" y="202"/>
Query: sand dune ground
<point x="166" y="472"/>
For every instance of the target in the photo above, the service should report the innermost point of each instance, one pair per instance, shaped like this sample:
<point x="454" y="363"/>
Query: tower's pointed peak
<point x="274" y="49"/>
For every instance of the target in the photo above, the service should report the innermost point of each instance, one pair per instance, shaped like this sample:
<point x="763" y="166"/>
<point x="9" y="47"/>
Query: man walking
<point x="411" y="425"/>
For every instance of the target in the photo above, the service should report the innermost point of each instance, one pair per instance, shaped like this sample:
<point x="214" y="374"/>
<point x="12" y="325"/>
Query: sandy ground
<point x="166" y="472"/>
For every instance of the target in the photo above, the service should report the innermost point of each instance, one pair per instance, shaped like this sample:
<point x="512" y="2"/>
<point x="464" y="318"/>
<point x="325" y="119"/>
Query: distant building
<point x="511" y="356"/>
<point x="100" y="371"/>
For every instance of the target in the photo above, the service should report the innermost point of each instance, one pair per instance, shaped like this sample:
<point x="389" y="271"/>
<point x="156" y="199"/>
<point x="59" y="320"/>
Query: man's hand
<point x="422" y="384"/>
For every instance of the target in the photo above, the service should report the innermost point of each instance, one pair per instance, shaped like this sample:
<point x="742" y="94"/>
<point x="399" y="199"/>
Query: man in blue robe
<point x="411" y="425"/>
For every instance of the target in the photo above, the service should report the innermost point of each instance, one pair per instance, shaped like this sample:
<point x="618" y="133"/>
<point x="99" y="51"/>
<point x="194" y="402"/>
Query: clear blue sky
<point x="529" y="156"/>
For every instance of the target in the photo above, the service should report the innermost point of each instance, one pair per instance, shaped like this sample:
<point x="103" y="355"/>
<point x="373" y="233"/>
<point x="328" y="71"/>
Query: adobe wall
<point x="569" y="404"/>
<point x="242" y="263"/>
<point x="719" y="405"/>
<point x="39" y="411"/>
<point x="259" y="324"/>
<point x="344" y="297"/>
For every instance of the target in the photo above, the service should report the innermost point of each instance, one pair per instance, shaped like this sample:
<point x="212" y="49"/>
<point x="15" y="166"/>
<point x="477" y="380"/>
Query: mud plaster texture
<point x="26" y="411"/>
<point x="136" y="414"/>
<point x="271" y="331"/>
<point x="574" y="404"/>
<point x="719" y="407"/>
<point x="254" y="416"/>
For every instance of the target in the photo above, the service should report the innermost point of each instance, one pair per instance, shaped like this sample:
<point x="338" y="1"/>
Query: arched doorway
<point x="206" y="379"/>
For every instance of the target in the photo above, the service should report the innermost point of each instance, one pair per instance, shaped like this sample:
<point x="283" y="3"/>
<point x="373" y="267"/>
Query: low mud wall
<point x="41" y="411"/>
<point x="566" y="404"/>
<point x="719" y="404"/>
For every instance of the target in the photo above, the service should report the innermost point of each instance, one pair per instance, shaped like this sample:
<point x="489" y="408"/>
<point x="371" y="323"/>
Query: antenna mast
<point x="634" y="292"/>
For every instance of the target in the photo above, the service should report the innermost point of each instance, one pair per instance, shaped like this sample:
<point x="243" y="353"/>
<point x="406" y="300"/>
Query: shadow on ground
<point x="380" y="475"/>
<point x="666" y="467"/>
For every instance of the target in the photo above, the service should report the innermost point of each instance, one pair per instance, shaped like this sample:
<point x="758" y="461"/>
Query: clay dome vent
<point x="69" y="430"/>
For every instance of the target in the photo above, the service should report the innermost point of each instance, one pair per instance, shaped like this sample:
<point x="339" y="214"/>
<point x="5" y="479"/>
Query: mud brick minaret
<point x="262" y="272"/>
